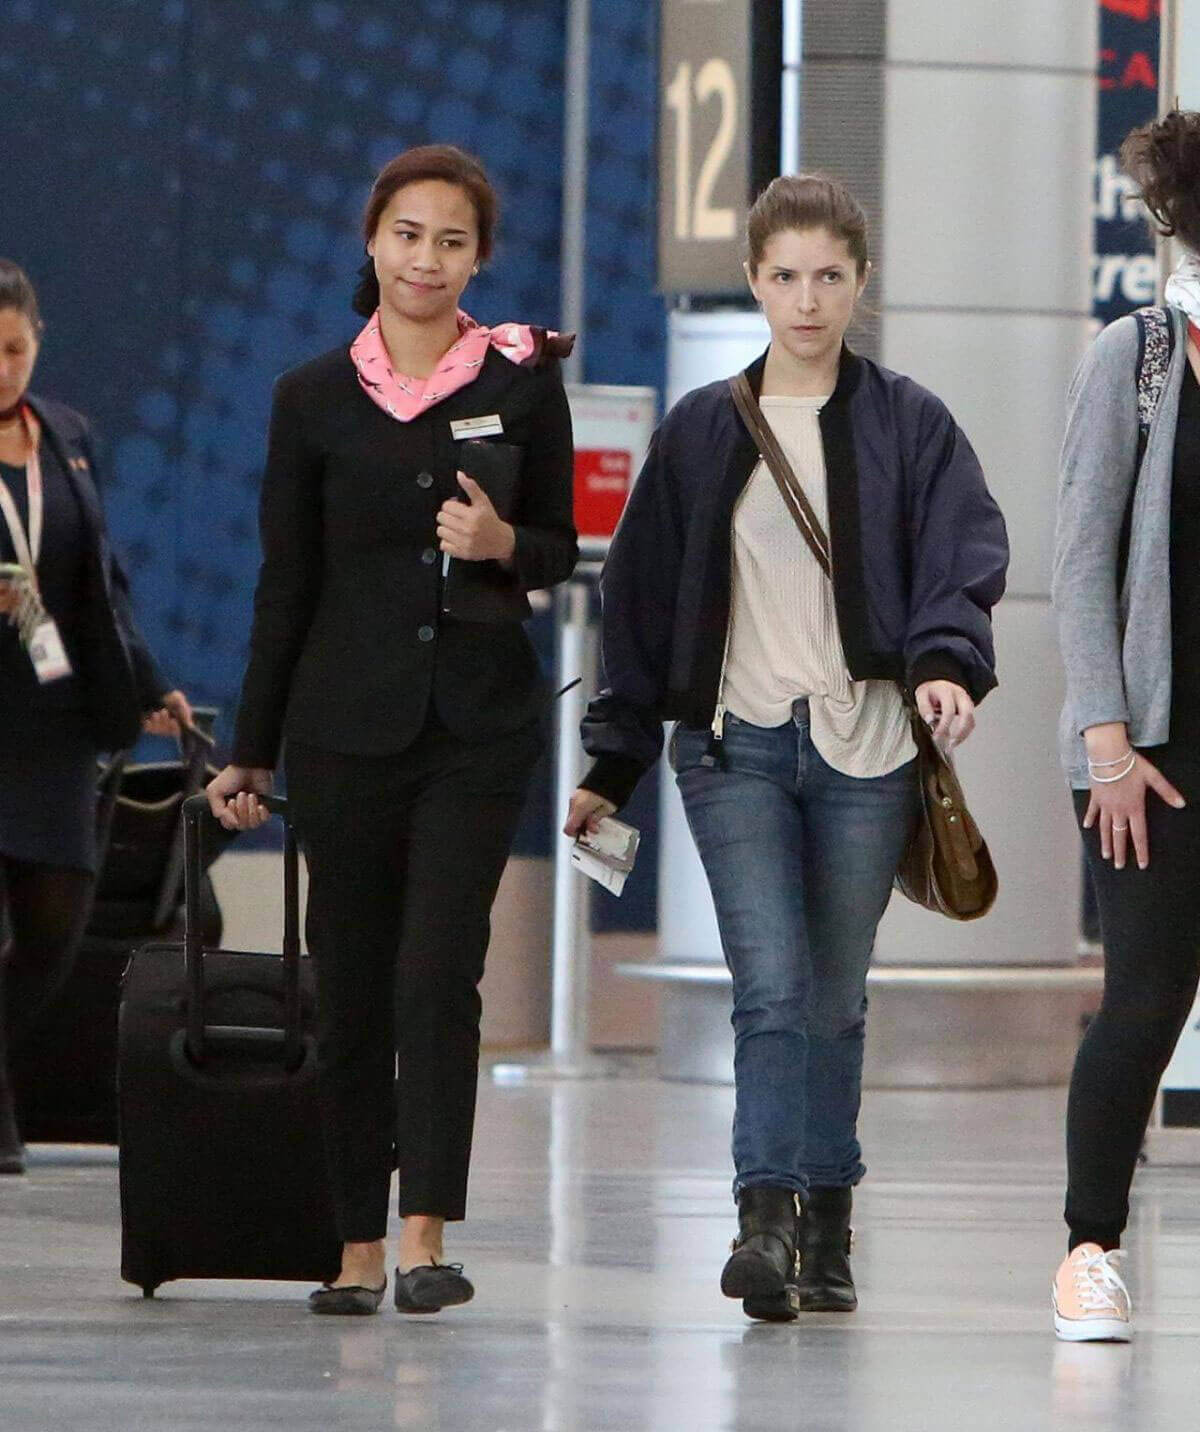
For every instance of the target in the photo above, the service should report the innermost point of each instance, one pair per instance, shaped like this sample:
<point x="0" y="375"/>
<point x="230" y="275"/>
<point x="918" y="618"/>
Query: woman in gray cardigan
<point x="1127" y="595"/>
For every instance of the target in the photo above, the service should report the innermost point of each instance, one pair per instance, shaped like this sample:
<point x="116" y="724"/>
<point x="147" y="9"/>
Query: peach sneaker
<point x="1091" y="1303"/>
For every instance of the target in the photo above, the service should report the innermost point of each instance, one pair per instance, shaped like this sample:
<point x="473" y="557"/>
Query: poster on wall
<point x="1124" y="269"/>
<point x="612" y="428"/>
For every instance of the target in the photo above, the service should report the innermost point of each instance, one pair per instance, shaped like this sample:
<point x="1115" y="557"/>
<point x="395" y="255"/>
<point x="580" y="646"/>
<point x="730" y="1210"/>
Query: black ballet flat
<point x="351" y="1301"/>
<point x="12" y="1150"/>
<point x="12" y="1161"/>
<point x="432" y="1287"/>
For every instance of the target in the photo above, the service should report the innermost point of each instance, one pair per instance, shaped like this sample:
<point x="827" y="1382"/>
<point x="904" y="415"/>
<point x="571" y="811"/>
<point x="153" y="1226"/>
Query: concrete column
<point x="699" y="346"/>
<point x="988" y="144"/>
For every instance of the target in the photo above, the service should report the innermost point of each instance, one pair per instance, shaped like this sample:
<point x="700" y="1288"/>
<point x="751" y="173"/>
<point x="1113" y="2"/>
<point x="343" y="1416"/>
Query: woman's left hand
<point x="471" y="529"/>
<point x="947" y="710"/>
<point x="174" y="712"/>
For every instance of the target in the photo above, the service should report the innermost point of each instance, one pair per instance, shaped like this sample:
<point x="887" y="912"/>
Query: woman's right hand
<point x="233" y="796"/>
<point x="587" y="810"/>
<point x="1119" y="808"/>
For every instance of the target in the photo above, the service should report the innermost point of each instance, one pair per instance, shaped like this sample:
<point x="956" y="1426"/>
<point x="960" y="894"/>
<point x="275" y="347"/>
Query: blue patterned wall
<point x="626" y="322"/>
<point x="184" y="185"/>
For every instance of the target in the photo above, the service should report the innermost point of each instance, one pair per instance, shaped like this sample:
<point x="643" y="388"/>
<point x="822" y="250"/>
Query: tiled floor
<point x="599" y="1223"/>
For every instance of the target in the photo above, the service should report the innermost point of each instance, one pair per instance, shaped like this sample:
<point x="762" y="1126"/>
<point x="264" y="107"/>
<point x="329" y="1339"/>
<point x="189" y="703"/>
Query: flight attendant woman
<point x="388" y="649"/>
<point x="76" y="678"/>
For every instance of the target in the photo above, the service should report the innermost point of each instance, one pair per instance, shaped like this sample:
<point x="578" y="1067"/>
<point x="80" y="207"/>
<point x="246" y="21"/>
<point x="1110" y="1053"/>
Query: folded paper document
<point x="607" y="855"/>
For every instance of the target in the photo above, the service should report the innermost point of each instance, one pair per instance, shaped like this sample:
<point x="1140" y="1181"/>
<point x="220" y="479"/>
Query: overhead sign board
<point x="720" y="76"/>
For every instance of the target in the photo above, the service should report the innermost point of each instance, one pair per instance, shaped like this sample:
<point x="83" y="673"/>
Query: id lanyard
<point x="39" y="631"/>
<point x="28" y="547"/>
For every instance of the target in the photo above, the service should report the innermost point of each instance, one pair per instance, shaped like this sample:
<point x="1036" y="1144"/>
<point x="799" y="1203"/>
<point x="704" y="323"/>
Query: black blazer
<point x="352" y="637"/>
<point x="120" y="678"/>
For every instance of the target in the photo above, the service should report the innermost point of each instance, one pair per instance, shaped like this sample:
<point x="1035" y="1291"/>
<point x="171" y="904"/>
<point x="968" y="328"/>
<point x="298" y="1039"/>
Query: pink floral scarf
<point x="405" y="398"/>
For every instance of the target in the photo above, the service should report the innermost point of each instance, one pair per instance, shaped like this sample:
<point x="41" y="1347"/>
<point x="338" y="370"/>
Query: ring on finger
<point x="1117" y="828"/>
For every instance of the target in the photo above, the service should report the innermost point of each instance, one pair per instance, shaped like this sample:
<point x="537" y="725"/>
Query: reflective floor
<point x="599" y="1223"/>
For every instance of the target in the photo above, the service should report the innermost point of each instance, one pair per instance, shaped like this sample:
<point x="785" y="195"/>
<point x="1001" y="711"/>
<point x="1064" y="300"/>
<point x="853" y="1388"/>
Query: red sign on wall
<point x="602" y="478"/>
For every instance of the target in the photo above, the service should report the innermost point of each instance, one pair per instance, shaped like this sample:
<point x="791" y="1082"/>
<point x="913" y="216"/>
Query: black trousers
<point x="1150" y="923"/>
<point x="43" y="912"/>
<point x="405" y="854"/>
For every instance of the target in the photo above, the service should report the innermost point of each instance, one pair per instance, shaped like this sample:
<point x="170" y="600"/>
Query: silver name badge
<point x="487" y="427"/>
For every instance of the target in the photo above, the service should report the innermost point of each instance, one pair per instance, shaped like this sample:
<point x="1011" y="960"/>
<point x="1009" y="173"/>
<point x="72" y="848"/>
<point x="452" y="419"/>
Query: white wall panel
<point x="980" y="210"/>
<point x="983" y="32"/>
<point x="1004" y="377"/>
<point x="1017" y="792"/>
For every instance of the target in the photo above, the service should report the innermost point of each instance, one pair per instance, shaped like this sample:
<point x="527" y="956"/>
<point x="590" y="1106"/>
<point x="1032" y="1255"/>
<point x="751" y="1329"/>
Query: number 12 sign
<point x="720" y="71"/>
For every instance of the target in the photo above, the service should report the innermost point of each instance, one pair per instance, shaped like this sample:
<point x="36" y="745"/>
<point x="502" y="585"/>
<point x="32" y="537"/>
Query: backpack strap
<point x="1156" y="345"/>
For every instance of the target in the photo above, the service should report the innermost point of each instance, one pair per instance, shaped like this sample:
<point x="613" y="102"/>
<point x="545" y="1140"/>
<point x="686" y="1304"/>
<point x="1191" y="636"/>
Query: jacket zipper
<point x="718" y="721"/>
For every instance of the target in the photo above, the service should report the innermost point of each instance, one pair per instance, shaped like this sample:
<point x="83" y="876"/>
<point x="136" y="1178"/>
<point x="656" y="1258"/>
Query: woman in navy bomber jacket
<point x="793" y="750"/>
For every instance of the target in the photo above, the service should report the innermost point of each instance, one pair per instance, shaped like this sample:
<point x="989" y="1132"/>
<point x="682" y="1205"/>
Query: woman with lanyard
<point x="778" y="627"/>
<point x="418" y="485"/>
<point x="75" y="679"/>
<point x="1127" y="593"/>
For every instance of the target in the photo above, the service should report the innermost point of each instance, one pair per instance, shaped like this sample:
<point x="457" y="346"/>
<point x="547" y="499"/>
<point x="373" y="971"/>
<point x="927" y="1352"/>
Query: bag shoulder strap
<point x="797" y="503"/>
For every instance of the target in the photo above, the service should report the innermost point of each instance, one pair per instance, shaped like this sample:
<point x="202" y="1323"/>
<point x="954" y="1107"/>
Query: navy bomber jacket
<point x="919" y="559"/>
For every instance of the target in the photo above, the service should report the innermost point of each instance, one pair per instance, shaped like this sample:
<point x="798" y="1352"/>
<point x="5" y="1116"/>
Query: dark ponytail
<point x="366" y="295"/>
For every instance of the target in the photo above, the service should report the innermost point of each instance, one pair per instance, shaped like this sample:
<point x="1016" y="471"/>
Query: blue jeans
<point x="800" y="860"/>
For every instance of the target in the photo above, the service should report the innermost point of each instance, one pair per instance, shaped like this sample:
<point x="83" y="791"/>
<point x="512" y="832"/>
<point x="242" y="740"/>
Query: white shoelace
<point x="1099" y="1285"/>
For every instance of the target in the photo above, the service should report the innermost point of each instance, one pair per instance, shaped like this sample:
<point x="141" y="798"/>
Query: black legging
<point x="43" y="911"/>
<point x="1150" y="922"/>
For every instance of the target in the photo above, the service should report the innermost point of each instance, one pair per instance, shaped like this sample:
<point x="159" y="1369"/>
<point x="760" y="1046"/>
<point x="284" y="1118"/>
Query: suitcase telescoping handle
<point x="196" y="814"/>
<point x="195" y="747"/>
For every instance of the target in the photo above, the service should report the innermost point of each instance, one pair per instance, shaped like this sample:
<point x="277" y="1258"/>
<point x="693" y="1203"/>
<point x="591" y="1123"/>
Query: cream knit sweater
<point x="783" y="638"/>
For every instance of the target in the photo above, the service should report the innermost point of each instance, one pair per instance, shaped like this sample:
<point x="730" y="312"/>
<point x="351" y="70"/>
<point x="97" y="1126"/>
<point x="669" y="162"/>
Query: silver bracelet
<point x="1120" y="775"/>
<point x="1120" y="760"/>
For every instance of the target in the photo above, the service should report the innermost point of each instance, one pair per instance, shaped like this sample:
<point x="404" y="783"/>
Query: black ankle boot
<point x="825" y="1284"/>
<point x="761" y="1269"/>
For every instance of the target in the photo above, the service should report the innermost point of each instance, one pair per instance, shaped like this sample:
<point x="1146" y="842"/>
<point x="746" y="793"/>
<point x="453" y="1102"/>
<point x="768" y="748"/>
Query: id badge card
<point x="46" y="651"/>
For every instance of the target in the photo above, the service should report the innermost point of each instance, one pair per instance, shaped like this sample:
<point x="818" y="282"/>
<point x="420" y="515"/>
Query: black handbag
<point x="139" y="885"/>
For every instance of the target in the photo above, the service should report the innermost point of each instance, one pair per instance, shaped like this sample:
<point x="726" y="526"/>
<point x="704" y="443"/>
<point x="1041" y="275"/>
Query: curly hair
<point x="1163" y="160"/>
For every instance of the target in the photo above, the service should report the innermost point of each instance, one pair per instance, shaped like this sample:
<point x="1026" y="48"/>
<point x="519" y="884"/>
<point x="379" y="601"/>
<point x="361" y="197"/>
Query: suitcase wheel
<point x="148" y="1290"/>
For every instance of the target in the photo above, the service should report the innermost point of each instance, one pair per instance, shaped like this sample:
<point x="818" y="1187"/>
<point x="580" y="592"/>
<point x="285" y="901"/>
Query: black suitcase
<point x="222" y="1166"/>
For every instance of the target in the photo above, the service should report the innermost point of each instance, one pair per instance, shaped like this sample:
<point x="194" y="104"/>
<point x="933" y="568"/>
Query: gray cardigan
<point x="1116" y="648"/>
